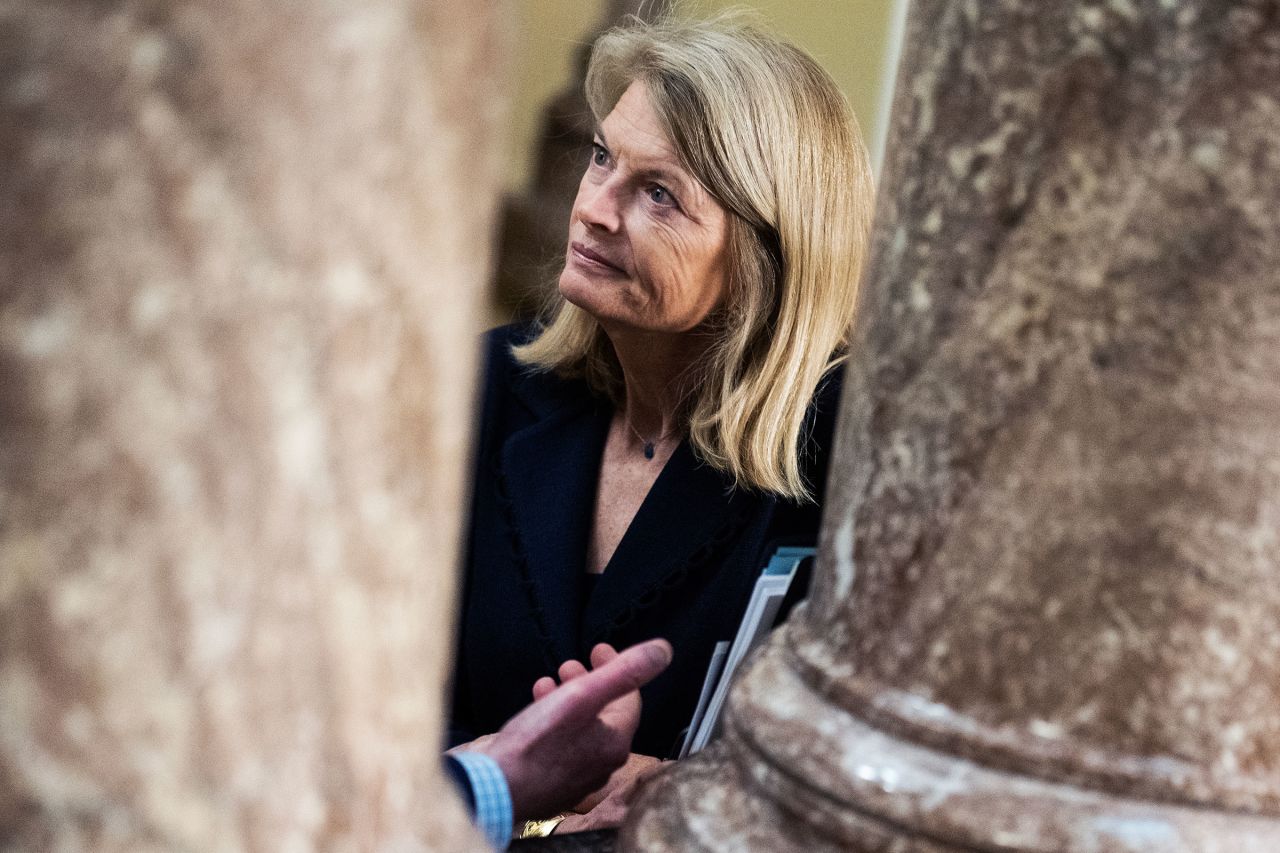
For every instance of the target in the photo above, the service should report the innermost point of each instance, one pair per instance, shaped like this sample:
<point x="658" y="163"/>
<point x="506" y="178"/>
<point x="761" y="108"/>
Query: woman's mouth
<point x="593" y="260"/>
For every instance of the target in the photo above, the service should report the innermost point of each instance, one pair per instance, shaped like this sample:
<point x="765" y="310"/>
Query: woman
<point x="642" y="448"/>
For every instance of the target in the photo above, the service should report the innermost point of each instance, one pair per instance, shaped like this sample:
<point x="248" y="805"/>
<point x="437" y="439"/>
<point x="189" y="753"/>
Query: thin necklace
<point x="648" y="443"/>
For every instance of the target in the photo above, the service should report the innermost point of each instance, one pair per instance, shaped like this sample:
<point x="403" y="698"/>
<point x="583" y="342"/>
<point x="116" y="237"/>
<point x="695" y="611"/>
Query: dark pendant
<point x="648" y="450"/>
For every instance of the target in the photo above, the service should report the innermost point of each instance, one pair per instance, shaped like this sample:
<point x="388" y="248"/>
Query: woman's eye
<point x="599" y="157"/>
<point x="659" y="195"/>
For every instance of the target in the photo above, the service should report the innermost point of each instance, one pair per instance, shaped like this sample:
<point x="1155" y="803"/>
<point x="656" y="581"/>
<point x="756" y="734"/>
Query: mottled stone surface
<point x="1044" y="617"/>
<point x="242" y="252"/>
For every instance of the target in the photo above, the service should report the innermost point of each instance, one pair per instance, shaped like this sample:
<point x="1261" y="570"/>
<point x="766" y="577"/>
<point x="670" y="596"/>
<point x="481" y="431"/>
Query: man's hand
<point x="567" y="743"/>
<point x="606" y="806"/>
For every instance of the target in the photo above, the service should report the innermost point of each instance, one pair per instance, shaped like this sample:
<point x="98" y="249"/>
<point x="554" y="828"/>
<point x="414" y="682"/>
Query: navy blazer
<point x="684" y="570"/>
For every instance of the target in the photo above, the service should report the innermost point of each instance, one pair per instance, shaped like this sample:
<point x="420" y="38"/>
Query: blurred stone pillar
<point x="1045" y="614"/>
<point x="242" y="253"/>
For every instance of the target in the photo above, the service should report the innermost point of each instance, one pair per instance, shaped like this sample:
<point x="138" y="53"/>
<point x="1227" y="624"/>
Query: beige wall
<point x="849" y="37"/>
<point x="548" y="34"/>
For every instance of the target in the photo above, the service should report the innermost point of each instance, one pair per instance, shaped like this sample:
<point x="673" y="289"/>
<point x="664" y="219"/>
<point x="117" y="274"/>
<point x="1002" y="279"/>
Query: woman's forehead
<point x="636" y="137"/>
<point x="633" y="128"/>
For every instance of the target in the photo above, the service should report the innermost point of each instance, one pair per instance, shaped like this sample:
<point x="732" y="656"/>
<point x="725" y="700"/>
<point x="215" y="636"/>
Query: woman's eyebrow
<point x="665" y="176"/>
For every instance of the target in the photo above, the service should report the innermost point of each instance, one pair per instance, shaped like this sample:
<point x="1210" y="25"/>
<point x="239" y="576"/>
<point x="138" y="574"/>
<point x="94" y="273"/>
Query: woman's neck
<point x="656" y="373"/>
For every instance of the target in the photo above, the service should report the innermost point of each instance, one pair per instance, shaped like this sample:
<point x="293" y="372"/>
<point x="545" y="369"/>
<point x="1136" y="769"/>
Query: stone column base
<point x="795" y="772"/>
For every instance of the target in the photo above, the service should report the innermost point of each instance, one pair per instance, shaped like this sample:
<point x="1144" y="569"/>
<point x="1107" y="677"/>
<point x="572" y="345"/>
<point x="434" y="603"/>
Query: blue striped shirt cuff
<point x="493" y="798"/>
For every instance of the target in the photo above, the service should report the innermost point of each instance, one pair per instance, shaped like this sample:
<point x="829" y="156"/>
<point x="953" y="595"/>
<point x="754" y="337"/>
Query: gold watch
<point x="541" y="828"/>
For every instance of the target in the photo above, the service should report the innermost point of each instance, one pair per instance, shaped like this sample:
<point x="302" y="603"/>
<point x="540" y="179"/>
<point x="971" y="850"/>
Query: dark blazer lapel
<point x="688" y="510"/>
<point x="550" y="470"/>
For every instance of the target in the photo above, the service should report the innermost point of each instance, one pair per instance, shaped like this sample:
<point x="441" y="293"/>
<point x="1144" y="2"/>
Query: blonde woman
<point x="642" y="447"/>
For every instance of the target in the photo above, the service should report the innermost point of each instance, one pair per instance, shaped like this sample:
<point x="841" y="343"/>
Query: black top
<point x="590" y="580"/>
<point x="684" y="570"/>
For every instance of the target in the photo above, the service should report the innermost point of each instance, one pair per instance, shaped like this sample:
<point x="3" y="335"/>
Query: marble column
<point x="1046" y="615"/>
<point x="243" y="248"/>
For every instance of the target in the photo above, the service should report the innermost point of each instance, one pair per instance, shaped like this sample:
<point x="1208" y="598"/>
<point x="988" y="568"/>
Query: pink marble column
<point x="242" y="253"/>
<point x="1046" y="615"/>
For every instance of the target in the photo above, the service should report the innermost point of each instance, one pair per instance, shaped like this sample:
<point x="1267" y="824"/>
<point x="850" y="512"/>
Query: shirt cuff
<point x="493" y="814"/>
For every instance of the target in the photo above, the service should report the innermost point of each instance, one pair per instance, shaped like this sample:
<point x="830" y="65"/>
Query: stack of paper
<point x="757" y="622"/>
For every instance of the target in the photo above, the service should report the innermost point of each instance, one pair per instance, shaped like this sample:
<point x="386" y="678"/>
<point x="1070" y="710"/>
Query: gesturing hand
<point x="567" y="743"/>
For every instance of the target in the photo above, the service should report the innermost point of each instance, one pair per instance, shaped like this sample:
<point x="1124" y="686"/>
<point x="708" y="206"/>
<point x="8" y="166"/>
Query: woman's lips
<point x="593" y="260"/>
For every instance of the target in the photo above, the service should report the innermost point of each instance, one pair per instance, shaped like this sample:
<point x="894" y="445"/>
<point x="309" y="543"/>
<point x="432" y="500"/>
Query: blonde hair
<point x="765" y="129"/>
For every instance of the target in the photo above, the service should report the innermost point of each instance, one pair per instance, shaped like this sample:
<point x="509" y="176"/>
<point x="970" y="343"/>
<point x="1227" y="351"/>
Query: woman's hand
<point x="636" y="769"/>
<point x="607" y="807"/>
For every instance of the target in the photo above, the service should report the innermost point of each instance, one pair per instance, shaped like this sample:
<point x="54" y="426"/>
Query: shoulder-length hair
<point x="771" y="137"/>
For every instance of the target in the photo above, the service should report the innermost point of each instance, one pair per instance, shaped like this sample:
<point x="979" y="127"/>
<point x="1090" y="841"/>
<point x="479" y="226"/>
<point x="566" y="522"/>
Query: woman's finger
<point x="641" y="779"/>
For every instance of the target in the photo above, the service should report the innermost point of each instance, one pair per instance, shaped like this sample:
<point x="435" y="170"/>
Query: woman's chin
<point x="583" y="293"/>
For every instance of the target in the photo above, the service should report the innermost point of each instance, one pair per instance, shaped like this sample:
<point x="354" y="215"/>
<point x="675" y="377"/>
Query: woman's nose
<point x="597" y="206"/>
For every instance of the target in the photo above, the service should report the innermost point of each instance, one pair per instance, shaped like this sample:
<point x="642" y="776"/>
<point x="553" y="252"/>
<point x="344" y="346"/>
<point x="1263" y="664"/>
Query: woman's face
<point x="646" y="241"/>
